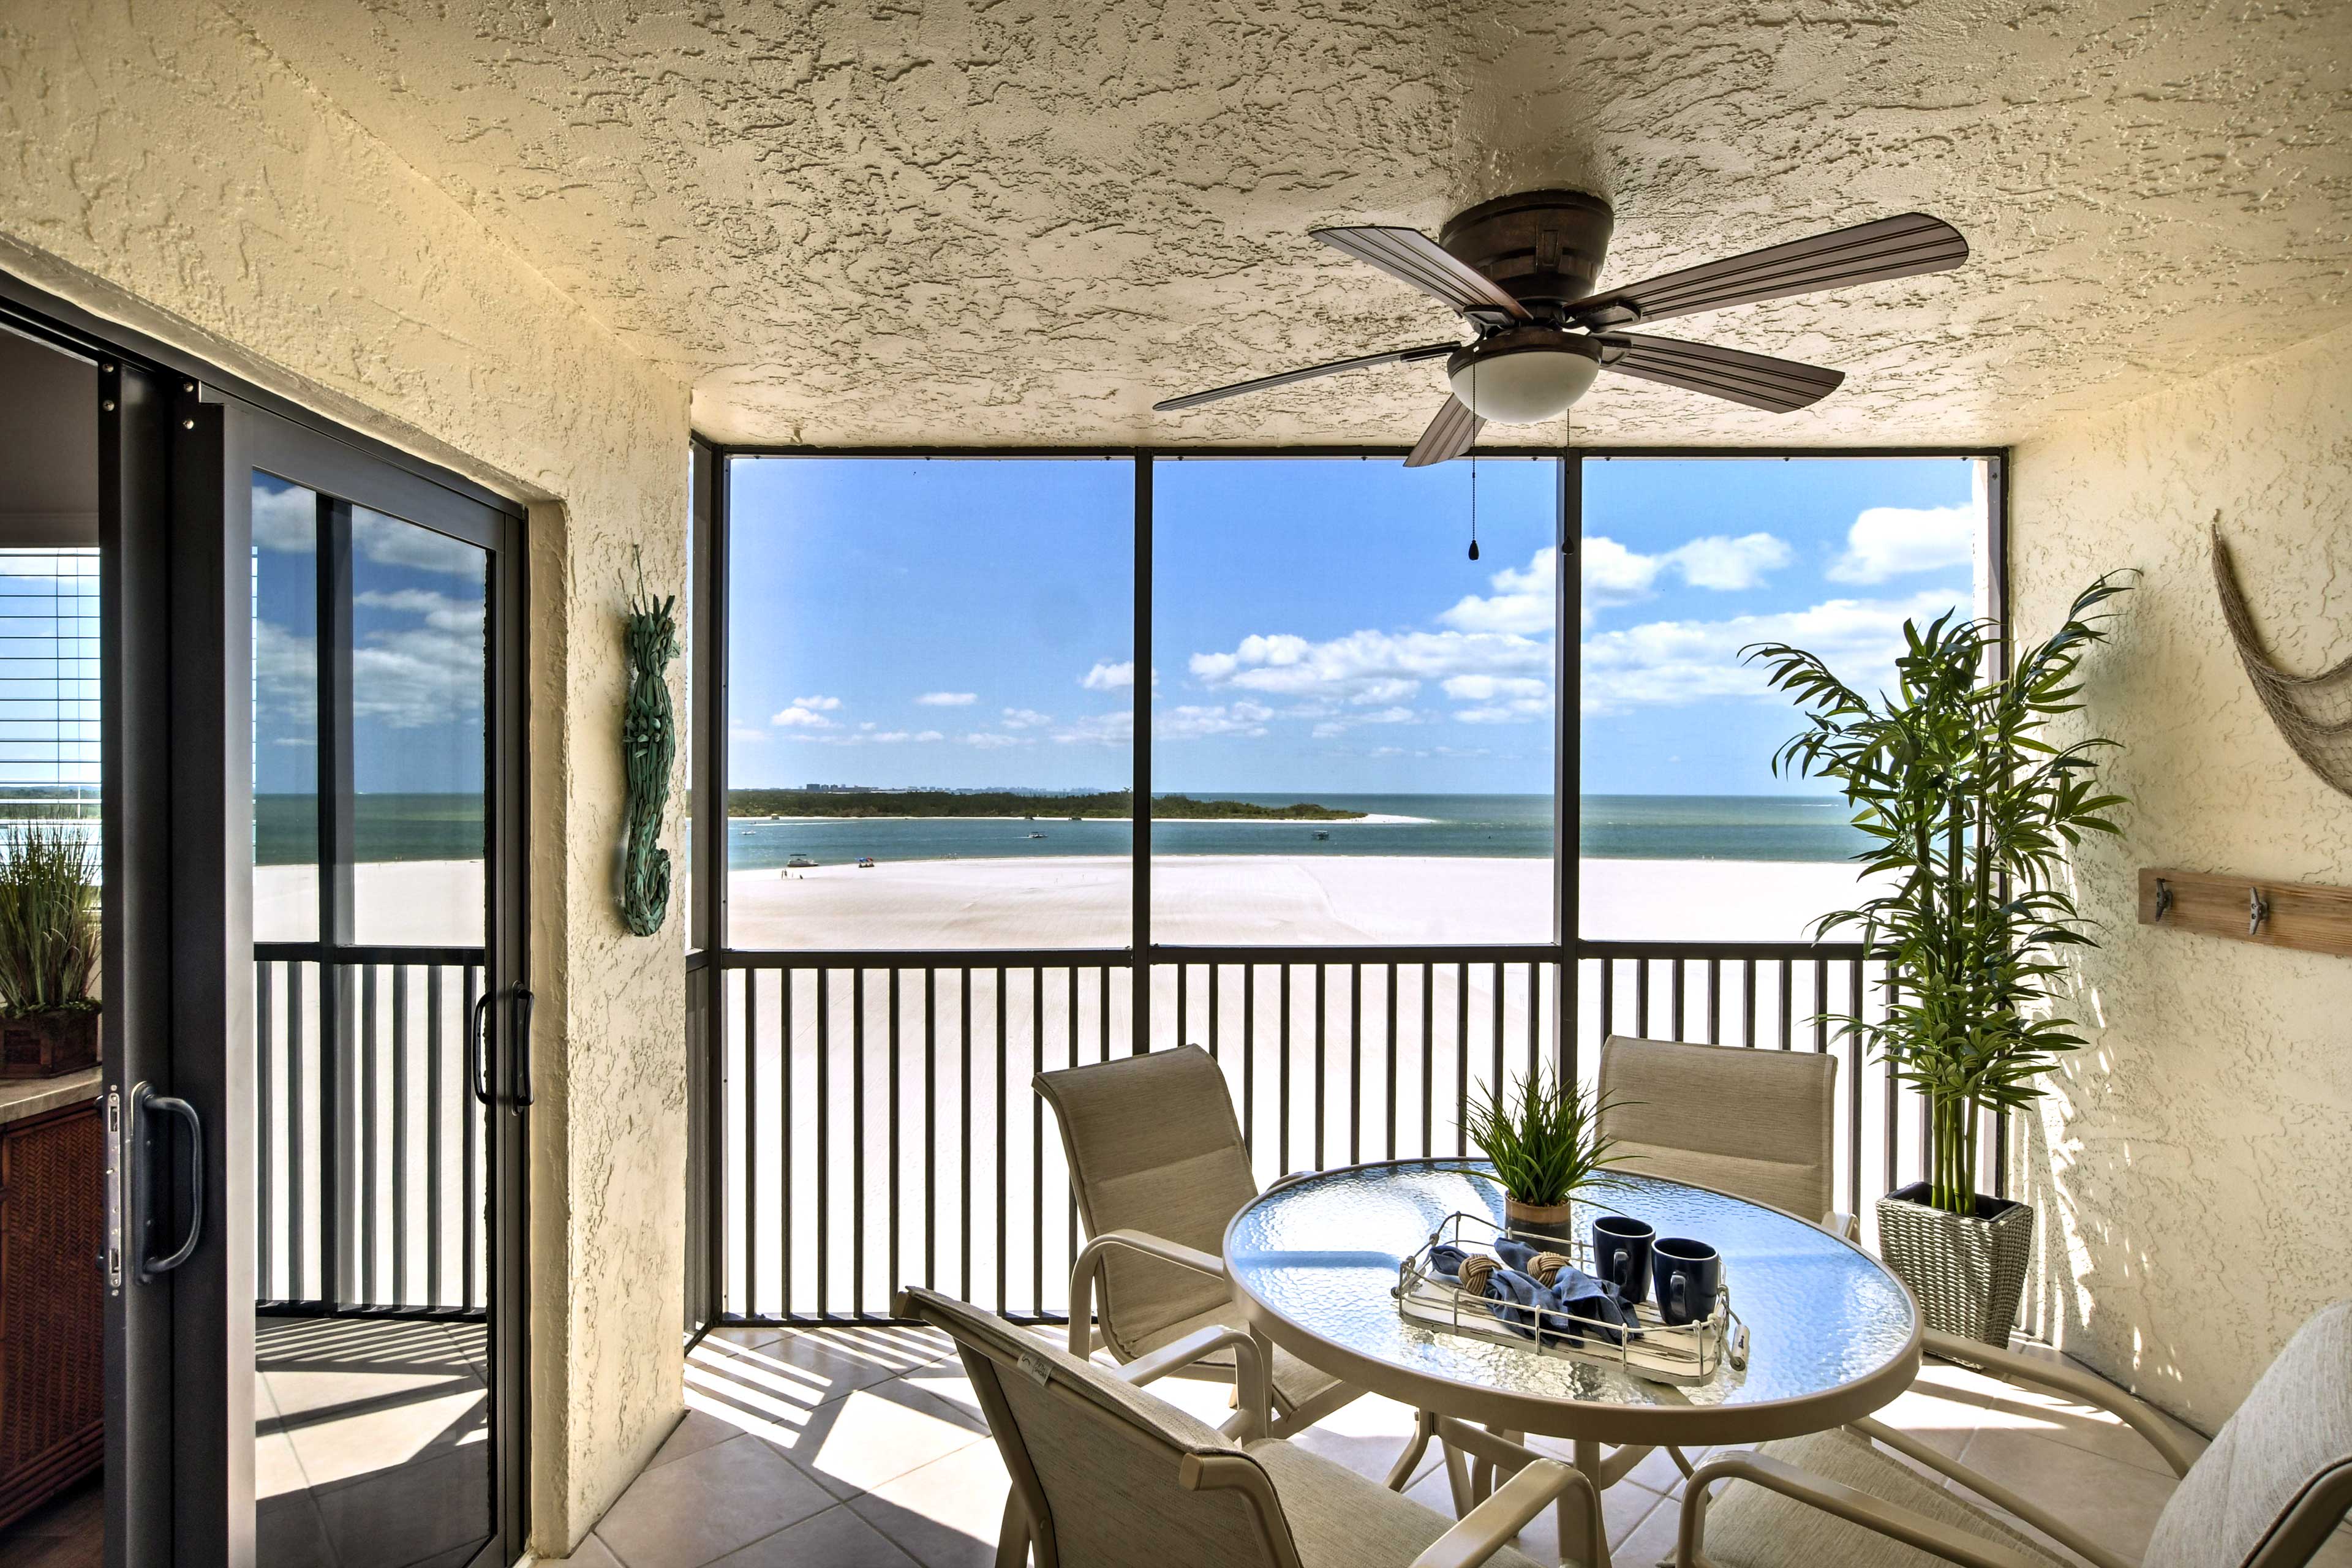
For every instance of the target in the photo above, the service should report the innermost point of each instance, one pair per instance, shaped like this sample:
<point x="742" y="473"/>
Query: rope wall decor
<point x="2312" y="711"/>
<point x="649" y="746"/>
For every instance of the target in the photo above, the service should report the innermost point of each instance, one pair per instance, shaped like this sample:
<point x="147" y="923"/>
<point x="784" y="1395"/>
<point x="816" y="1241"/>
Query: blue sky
<point x="1317" y="625"/>
<point x="416" y="651"/>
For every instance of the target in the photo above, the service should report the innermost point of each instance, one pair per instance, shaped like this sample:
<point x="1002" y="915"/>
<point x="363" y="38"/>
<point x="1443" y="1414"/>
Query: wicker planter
<point x="46" y="1044"/>
<point x="1967" y="1270"/>
<point x="1554" y="1222"/>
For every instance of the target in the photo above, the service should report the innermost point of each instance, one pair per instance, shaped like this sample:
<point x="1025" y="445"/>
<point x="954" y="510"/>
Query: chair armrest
<point x="1841" y="1501"/>
<point x="1251" y="1389"/>
<point x="1090" y="1257"/>
<point x="2090" y="1389"/>
<point x="1993" y="1492"/>
<point x="1495" y="1523"/>
<point x="1281" y="1181"/>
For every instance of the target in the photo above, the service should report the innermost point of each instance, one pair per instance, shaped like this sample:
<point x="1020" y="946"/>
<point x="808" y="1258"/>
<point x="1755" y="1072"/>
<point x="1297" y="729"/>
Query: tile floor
<point x="864" y="1448"/>
<point x="370" y="1442"/>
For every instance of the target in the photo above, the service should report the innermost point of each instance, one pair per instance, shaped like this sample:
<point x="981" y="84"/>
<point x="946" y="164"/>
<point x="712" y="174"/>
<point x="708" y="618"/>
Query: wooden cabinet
<point x="52" y="1305"/>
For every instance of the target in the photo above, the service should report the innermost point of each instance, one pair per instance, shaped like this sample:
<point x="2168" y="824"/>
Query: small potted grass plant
<point x="1547" y="1146"/>
<point x="49" y="950"/>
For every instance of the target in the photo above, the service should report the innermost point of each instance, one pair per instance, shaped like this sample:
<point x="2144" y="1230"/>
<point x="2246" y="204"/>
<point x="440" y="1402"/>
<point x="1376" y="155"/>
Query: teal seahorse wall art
<point x="649" y="746"/>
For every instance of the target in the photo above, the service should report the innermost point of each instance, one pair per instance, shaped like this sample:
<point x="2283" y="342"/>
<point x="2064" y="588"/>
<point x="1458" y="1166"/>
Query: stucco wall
<point x="2189" y="1165"/>
<point x="164" y="169"/>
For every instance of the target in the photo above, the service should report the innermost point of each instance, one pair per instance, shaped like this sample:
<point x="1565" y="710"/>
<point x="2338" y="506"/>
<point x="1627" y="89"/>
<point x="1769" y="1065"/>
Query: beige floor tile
<point x="287" y="1533"/>
<point x="592" y="1553"/>
<point x="946" y="1514"/>
<point x="390" y="1434"/>
<point x="1650" y="1542"/>
<point x="1366" y="1437"/>
<point x="834" y="1539"/>
<point x="700" y="1430"/>
<point x="407" y="1514"/>
<point x="1623" y="1508"/>
<point x="2112" y="1503"/>
<point x="876" y="1434"/>
<point x="697" y="1509"/>
<point x="2058" y="1419"/>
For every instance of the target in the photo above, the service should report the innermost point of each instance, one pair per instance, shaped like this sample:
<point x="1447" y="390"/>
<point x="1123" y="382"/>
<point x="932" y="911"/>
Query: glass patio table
<point x="1833" y="1335"/>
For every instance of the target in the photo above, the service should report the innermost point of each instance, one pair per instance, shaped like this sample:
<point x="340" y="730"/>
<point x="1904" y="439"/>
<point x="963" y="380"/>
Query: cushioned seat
<point x="1748" y="1527"/>
<point x="1106" y="1475"/>
<point x="1779" y="1149"/>
<point x="1339" y="1519"/>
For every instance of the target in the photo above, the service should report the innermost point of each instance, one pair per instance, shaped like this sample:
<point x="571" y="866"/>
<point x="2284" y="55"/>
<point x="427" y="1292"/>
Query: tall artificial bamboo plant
<point x="1971" y="811"/>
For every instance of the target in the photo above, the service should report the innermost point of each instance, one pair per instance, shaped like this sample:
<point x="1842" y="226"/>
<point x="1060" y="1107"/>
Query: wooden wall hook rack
<point x="2300" y="915"/>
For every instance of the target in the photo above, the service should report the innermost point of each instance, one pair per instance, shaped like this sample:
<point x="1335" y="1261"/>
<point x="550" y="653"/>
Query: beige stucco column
<point x="168" y="172"/>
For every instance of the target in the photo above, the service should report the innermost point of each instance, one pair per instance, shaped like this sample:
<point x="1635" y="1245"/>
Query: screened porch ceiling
<point x="956" y="224"/>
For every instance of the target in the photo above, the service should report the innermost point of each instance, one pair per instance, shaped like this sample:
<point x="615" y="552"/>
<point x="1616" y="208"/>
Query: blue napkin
<point x="1597" y="1301"/>
<point x="1445" y="1259"/>
<point x="1519" y="1301"/>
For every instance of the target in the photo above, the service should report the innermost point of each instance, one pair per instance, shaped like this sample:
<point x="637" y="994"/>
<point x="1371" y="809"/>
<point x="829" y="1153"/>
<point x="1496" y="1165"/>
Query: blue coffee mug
<point x="1688" y="1274"/>
<point x="1621" y="1254"/>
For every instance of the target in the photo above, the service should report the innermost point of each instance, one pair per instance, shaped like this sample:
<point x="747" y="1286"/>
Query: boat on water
<point x="866" y="862"/>
<point x="799" y="863"/>
<point x="1321" y="834"/>
<point x="1036" y="836"/>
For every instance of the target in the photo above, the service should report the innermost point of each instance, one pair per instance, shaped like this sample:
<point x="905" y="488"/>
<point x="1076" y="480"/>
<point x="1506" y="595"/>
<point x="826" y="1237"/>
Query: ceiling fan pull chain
<point x="1474" y="469"/>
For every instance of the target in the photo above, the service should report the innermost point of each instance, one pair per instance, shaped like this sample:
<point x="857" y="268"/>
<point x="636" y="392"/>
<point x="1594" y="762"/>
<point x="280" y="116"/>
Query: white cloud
<point x="1371" y="666"/>
<point x="928" y="735"/>
<point x="1098" y="730"/>
<point x="799" y="717"/>
<point x="1522" y="601"/>
<point x="1112" y="677"/>
<point x="1399" y="715"/>
<point x="1673" y="663"/>
<point x="988" y="742"/>
<point x="818" y="704"/>
<point x="745" y="734"/>
<point x="1888" y="540"/>
<point x="1487" y="688"/>
<point x="1025" y="718"/>
<point x="287" y="521"/>
<point x="947" y="699"/>
<point x="1729" y="565"/>
<point x="1193" y="722"/>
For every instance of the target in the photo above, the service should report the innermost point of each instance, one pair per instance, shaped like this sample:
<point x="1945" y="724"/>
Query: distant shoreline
<point x="1104" y="805"/>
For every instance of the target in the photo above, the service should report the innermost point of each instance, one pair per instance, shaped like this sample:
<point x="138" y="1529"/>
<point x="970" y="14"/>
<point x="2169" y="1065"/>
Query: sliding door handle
<point x="477" y="1083"/>
<point x="524" y="1095"/>
<point x="146" y="1104"/>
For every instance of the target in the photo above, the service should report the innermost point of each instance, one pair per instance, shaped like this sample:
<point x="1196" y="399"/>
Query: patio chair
<point x="1106" y="1475"/>
<point x="2276" y="1483"/>
<point x="1662" y="1103"/>
<point x="1159" y="1169"/>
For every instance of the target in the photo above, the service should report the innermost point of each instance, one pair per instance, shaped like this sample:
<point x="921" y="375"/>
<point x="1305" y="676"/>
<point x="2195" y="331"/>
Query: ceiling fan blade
<point x="1394" y="356"/>
<point x="1412" y="257"/>
<point x="1760" y="380"/>
<point x="1448" y="436"/>
<point x="1900" y="247"/>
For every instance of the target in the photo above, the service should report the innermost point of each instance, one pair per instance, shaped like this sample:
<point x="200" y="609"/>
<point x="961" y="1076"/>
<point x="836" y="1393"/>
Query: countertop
<point x="24" y="1096"/>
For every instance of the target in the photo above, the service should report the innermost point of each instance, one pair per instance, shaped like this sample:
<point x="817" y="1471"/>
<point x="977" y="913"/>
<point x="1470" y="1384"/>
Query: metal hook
<point x="2258" y="909"/>
<point x="2163" y="897"/>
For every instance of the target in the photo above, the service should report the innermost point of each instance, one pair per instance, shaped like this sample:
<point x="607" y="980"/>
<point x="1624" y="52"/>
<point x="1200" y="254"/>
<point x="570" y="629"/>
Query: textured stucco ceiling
<point x="1022" y="221"/>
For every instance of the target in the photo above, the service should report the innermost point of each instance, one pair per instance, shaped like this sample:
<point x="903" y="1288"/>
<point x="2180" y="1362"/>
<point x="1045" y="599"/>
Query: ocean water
<point x="1631" y="828"/>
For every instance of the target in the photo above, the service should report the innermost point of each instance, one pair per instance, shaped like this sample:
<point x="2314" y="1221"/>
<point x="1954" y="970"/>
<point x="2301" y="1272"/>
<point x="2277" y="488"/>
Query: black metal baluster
<point x="1428" y="1060"/>
<point x="1641" y="997"/>
<point x="1184" y="974"/>
<point x="1788" y="1001"/>
<point x="785" y="1053"/>
<point x="1748" y="1003"/>
<point x="1249" y="1062"/>
<point x="434" y="1110"/>
<point x="1217" y="993"/>
<point x="825" y="1139"/>
<point x="469" y="1169"/>
<point x="1608" y="997"/>
<point x="1102" y="1020"/>
<point x="1853" y="1084"/>
<point x="400" y="1133"/>
<point x="1036" y="1144"/>
<point x="751" y="1193"/>
<point x="1003" y="1133"/>
<point x="367" y="1097"/>
<point x="1069" y="1199"/>
<point x="1675" y="1005"/>
<point x="1820" y="1004"/>
<point x="1389" y="1149"/>
<point x="1281" y="1151"/>
<point x="963" y="1102"/>
<point x="931" y="1132"/>
<point x="1890" y="998"/>
<point x="1714" y="1002"/>
<point x="267" y="1032"/>
<point x="1502" y="1075"/>
<point x="1534" y="1021"/>
<point x="1461" y="1053"/>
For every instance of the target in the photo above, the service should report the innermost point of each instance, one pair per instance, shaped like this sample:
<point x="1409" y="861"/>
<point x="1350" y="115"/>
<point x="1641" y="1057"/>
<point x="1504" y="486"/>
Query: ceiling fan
<point x="1520" y="271"/>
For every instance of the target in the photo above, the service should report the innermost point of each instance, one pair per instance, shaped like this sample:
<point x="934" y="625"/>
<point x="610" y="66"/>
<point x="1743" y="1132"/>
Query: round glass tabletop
<point x="1833" y="1335"/>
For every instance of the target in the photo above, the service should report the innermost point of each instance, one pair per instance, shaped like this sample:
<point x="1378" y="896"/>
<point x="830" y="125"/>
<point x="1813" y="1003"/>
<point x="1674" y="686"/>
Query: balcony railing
<point x="368" y="1151"/>
<point x="873" y="1123"/>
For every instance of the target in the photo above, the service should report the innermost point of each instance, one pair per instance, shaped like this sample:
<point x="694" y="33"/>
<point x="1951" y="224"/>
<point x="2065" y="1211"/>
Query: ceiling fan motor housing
<point x="1542" y="247"/>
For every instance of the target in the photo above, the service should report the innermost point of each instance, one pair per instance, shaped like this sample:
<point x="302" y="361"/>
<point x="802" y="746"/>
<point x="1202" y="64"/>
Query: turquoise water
<point x="1631" y="828"/>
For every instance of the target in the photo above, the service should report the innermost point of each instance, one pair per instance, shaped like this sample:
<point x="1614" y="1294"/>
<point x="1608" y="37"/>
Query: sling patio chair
<point x="1106" y="1475"/>
<point x="1159" y="1169"/>
<point x="1657" y="1097"/>
<point x="2273" y="1487"/>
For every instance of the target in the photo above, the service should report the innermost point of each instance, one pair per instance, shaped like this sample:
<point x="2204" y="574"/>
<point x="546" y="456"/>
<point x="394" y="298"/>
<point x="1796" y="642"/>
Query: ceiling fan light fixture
<point x="1524" y="376"/>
